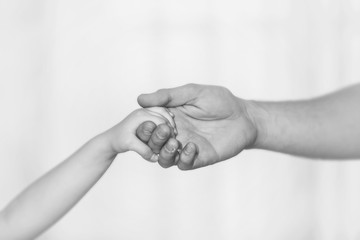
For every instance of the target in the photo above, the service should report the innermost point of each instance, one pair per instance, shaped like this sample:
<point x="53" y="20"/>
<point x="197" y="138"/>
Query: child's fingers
<point x="144" y="131"/>
<point x="163" y="113"/>
<point x="168" y="153"/>
<point x="187" y="156"/>
<point x="159" y="137"/>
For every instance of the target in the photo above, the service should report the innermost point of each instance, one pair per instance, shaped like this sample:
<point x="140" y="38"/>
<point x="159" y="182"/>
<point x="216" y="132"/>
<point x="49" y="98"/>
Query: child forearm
<point x="53" y="195"/>
<point x="33" y="211"/>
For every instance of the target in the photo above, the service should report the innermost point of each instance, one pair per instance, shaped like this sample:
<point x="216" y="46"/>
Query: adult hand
<point x="212" y="123"/>
<point x="160" y="139"/>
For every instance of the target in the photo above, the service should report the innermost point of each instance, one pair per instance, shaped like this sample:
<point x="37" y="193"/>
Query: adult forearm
<point x="324" y="127"/>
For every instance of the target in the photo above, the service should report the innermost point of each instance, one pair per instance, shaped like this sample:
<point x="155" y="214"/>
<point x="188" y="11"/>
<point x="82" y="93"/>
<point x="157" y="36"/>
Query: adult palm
<point x="210" y="117"/>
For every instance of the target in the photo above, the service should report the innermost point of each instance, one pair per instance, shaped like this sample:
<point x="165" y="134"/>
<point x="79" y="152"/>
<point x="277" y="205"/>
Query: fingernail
<point x="161" y="135"/>
<point x="189" y="149"/>
<point x="170" y="148"/>
<point x="154" y="158"/>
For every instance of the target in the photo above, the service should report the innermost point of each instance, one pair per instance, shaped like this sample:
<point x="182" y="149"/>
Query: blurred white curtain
<point x="71" y="69"/>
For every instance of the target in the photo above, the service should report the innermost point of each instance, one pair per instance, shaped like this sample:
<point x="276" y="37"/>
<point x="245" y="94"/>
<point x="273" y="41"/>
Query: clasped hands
<point x="205" y="125"/>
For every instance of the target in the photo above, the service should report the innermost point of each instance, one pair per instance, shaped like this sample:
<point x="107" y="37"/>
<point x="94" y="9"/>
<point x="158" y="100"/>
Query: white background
<point x="71" y="69"/>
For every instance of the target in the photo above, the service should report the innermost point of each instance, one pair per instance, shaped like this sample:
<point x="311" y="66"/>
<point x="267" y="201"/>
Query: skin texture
<point x="129" y="135"/>
<point x="50" y="197"/>
<point x="325" y="127"/>
<point x="161" y="141"/>
<point x="217" y="125"/>
<point x="205" y="116"/>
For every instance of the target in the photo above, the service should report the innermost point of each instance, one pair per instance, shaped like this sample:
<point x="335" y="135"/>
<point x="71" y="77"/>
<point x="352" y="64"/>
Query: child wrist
<point x="104" y="145"/>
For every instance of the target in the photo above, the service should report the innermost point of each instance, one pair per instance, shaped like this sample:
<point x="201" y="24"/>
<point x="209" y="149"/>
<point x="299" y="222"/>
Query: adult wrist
<point x="258" y="116"/>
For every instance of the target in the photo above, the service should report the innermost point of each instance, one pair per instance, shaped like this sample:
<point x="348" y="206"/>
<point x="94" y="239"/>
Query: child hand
<point x="142" y="122"/>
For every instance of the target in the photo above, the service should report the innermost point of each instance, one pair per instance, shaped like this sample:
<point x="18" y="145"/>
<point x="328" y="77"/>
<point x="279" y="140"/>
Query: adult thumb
<point x="171" y="97"/>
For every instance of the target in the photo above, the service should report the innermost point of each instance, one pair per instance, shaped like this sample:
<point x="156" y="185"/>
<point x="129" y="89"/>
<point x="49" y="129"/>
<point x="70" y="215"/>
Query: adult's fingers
<point x="163" y="112"/>
<point x="143" y="150"/>
<point x="172" y="97"/>
<point x="168" y="153"/>
<point x="188" y="156"/>
<point x="159" y="137"/>
<point x="144" y="131"/>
